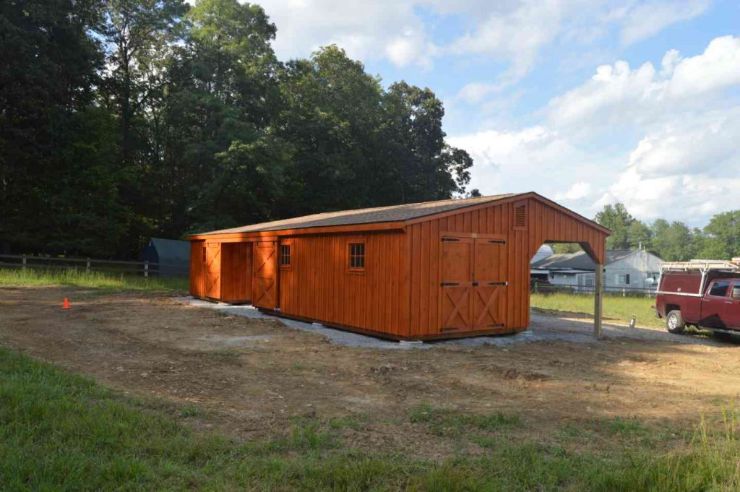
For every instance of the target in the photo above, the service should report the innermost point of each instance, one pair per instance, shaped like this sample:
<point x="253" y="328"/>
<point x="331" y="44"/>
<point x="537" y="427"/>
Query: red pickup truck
<point x="700" y="293"/>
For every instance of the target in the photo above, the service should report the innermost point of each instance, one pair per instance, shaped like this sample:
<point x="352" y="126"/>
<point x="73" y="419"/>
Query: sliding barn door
<point x="264" y="275"/>
<point x="473" y="283"/>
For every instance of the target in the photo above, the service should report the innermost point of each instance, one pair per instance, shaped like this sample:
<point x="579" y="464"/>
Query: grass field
<point x="95" y="280"/>
<point x="59" y="431"/>
<point x="616" y="307"/>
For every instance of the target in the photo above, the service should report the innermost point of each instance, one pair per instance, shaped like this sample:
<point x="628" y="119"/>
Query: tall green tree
<point x="139" y="38"/>
<point x="223" y="98"/>
<point x="619" y="221"/>
<point x="56" y="192"/>
<point x="673" y="241"/>
<point x="721" y="238"/>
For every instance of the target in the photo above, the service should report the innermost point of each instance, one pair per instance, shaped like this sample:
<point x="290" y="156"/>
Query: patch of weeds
<point x="353" y="422"/>
<point x="297" y="366"/>
<point x="446" y="422"/>
<point x="626" y="427"/>
<point x="190" y="411"/>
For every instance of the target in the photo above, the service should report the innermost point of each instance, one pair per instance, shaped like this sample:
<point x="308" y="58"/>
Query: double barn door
<point x="473" y="283"/>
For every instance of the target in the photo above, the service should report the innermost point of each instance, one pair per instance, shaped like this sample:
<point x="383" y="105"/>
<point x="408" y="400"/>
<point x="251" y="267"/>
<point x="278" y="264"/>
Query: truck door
<point x="732" y="308"/>
<point x="713" y="304"/>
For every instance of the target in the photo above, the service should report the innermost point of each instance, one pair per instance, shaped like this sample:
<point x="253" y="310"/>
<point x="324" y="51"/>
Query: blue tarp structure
<point x="171" y="256"/>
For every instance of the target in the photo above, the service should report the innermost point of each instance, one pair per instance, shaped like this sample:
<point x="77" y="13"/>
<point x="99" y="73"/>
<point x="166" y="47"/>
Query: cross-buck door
<point x="213" y="270"/>
<point x="264" y="275"/>
<point x="489" y="284"/>
<point x="473" y="282"/>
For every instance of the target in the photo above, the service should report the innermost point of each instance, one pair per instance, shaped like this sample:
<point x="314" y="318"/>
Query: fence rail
<point x="136" y="268"/>
<point x="619" y="290"/>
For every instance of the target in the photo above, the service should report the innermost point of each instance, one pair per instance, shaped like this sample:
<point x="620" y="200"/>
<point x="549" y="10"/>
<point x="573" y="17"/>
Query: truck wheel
<point x="674" y="322"/>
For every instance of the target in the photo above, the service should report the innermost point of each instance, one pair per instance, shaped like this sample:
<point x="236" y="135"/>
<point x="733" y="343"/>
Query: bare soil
<point x="252" y="378"/>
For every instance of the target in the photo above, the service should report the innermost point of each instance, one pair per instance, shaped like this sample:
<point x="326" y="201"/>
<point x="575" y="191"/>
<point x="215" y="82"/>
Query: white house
<point x="624" y="270"/>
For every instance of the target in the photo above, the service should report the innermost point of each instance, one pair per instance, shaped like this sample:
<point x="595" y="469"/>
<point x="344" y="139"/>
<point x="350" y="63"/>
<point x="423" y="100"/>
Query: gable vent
<point x="520" y="215"/>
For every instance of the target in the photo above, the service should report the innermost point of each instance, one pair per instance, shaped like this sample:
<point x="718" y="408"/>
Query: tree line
<point x="672" y="241"/>
<point x="125" y="119"/>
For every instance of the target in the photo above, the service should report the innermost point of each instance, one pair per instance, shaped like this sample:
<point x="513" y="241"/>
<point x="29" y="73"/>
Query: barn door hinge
<point x="450" y="240"/>
<point x="504" y="284"/>
<point x="475" y="284"/>
<point x="449" y="284"/>
<point x="497" y="241"/>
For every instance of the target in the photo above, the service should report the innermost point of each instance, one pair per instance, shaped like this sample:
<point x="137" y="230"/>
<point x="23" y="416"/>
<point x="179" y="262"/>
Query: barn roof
<point x="394" y="216"/>
<point x="393" y="213"/>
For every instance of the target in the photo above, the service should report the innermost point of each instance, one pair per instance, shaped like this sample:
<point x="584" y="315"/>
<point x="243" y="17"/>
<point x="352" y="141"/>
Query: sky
<point x="586" y="102"/>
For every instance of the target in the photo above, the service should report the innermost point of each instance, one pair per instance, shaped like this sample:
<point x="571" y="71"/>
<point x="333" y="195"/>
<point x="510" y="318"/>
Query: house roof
<point x="393" y="213"/>
<point x="578" y="261"/>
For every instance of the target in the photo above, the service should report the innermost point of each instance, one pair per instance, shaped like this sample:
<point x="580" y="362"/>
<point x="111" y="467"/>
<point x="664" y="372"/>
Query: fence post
<point x="146" y="269"/>
<point x="23" y="260"/>
<point x="87" y="266"/>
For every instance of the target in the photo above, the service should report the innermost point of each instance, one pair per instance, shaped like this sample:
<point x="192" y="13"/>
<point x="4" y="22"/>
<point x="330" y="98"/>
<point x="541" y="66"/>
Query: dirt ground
<point x="252" y="377"/>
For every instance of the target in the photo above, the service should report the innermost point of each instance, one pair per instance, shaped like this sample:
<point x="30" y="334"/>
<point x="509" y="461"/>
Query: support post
<point x="598" y="298"/>
<point x="87" y="266"/>
<point x="146" y="269"/>
<point x="24" y="261"/>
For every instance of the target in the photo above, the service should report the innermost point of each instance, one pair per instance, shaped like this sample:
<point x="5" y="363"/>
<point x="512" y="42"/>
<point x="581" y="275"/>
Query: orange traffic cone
<point x="65" y="304"/>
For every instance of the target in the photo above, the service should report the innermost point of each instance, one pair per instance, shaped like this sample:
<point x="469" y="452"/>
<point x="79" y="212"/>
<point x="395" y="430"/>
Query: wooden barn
<point x="417" y="271"/>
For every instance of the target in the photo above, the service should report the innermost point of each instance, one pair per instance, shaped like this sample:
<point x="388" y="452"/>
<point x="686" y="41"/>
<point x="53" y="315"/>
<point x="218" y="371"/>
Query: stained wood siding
<point x="543" y="223"/>
<point x="197" y="265"/>
<point x="319" y="284"/>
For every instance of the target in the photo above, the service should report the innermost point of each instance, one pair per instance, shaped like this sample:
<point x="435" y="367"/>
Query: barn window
<point x="520" y="215"/>
<point x="284" y="255"/>
<point x="356" y="256"/>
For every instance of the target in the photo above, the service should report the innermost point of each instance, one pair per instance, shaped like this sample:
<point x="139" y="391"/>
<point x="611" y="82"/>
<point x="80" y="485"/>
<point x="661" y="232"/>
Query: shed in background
<point x="171" y="256"/>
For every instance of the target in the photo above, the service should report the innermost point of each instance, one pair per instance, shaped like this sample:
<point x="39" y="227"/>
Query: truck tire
<point x="674" y="322"/>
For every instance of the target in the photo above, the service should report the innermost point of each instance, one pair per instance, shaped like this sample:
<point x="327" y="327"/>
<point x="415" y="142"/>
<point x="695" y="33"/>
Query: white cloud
<point x="617" y="94"/>
<point x="680" y="159"/>
<point x="577" y="191"/>
<point x="366" y="30"/>
<point x="513" y="32"/>
<point x="647" y="19"/>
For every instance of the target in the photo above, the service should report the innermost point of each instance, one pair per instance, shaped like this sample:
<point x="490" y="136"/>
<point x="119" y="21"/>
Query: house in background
<point x="623" y="270"/>
<point x="171" y="257"/>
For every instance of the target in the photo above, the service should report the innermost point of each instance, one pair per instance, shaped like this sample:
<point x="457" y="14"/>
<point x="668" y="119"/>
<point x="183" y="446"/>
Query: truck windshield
<point x="719" y="288"/>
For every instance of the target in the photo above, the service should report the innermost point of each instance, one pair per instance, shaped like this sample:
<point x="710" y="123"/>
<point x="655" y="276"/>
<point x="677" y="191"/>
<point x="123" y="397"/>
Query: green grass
<point x="59" y="431"/>
<point x="94" y="280"/>
<point x="615" y="307"/>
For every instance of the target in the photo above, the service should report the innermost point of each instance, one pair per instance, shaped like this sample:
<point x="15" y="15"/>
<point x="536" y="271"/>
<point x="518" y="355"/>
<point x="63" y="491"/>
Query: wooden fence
<point x="134" y="268"/>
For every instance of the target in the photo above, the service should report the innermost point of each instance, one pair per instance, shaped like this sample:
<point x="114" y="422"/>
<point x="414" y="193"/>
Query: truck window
<point x="736" y="291"/>
<point x="719" y="288"/>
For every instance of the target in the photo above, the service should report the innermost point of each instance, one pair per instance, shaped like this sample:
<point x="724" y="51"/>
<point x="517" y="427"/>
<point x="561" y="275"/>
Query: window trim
<point x="288" y="243"/>
<point x="348" y="260"/>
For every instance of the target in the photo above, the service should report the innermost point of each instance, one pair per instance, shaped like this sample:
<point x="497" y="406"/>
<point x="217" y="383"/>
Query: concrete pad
<point x="542" y="328"/>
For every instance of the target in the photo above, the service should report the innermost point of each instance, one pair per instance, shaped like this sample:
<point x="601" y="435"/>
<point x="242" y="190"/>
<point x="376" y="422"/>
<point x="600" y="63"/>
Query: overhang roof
<point x="578" y="261"/>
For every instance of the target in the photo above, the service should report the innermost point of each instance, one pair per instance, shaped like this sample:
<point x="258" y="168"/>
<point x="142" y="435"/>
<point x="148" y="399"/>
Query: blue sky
<point x="587" y="102"/>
